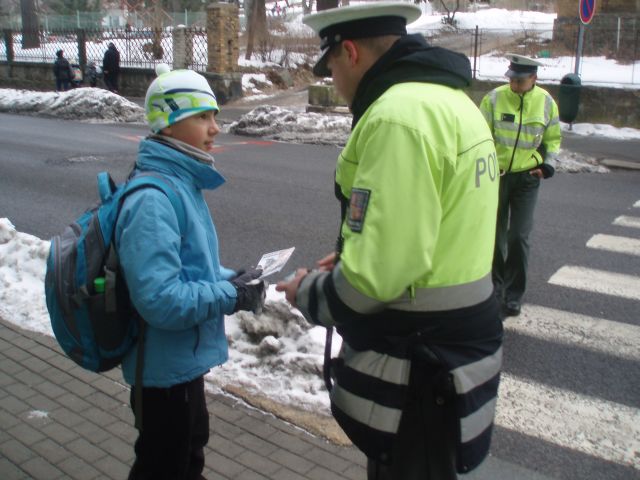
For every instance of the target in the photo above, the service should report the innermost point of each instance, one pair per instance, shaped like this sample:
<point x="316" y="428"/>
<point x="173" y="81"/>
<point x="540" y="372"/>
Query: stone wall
<point x="133" y="81"/>
<point x="613" y="106"/>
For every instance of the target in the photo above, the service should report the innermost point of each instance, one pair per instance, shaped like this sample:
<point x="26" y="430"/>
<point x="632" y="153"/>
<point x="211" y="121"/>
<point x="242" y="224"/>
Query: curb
<point x="620" y="164"/>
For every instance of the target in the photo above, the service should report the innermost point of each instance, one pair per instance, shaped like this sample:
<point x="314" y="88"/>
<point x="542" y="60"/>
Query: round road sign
<point x="587" y="9"/>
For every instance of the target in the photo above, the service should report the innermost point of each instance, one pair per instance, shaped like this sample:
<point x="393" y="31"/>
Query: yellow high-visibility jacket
<point x="525" y="127"/>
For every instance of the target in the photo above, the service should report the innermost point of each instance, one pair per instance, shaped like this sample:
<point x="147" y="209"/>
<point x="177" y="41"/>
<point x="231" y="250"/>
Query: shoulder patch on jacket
<point x="358" y="208"/>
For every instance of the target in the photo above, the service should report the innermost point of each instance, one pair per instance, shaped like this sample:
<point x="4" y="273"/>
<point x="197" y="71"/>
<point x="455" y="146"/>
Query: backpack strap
<point x="157" y="181"/>
<point x="106" y="186"/>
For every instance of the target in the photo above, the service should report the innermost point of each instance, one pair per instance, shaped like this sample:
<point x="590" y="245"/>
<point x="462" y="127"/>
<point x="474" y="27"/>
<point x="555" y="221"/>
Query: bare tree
<point x="451" y="12"/>
<point x="156" y="42"/>
<point x="30" y="34"/>
<point x="256" y="25"/>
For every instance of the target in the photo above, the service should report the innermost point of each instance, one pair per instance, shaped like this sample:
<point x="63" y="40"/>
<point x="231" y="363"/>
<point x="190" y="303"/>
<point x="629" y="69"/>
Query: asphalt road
<point x="273" y="196"/>
<point x="281" y="195"/>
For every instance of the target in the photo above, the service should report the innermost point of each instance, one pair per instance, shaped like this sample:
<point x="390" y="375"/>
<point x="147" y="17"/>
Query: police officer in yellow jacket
<point x="524" y="122"/>
<point x="409" y="288"/>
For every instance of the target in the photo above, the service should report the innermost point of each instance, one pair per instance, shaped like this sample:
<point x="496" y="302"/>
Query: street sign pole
<point x="579" y="48"/>
<point x="586" y="11"/>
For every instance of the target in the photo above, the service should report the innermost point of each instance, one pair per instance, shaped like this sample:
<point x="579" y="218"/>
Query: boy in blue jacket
<point x="175" y="279"/>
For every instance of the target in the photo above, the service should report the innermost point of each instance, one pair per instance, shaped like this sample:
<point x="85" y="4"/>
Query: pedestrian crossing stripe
<point x="597" y="281"/>
<point x="612" y="243"/>
<point x="627" y="221"/>
<point x="596" y="427"/>
<point x="591" y="333"/>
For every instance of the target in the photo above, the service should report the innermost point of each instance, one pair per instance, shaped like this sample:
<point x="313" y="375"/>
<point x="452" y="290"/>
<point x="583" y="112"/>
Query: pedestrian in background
<point x="409" y="287"/>
<point x="111" y="67"/>
<point x="175" y="279"/>
<point x="62" y="72"/>
<point x="92" y="73"/>
<point x="523" y="119"/>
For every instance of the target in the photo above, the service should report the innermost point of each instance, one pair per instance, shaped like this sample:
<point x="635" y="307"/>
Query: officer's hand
<point x="537" y="173"/>
<point x="250" y="290"/>
<point x="290" y="285"/>
<point x="327" y="263"/>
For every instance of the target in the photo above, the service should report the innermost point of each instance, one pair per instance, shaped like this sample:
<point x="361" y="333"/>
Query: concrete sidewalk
<point x="58" y="421"/>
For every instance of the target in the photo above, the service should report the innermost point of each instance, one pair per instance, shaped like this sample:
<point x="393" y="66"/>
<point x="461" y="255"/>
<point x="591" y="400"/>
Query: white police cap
<point x="358" y="21"/>
<point x="521" y="66"/>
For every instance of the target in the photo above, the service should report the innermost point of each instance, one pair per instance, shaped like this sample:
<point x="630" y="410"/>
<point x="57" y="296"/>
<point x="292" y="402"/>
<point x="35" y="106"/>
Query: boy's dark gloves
<point x="251" y="291"/>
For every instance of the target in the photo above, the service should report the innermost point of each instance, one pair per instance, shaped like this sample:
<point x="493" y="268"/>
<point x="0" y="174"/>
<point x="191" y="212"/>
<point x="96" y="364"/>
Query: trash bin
<point x="569" y="100"/>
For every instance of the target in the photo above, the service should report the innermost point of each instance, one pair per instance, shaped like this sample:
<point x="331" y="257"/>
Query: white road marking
<point x="613" y="243"/>
<point x="637" y="204"/>
<point x="595" y="334"/>
<point x="598" y="281"/>
<point x="597" y="427"/>
<point x="626" y="221"/>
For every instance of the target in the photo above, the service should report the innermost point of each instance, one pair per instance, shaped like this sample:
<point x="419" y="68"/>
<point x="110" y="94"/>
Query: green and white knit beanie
<point x="175" y="95"/>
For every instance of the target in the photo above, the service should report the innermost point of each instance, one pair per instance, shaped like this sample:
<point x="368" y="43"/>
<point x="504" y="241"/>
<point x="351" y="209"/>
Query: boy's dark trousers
<point x="175" y="429"/>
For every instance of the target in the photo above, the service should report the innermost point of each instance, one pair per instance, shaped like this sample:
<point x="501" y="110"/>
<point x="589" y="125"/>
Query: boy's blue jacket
<point x="175" y="279"/>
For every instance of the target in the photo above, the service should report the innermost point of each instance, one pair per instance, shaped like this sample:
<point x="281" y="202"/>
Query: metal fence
<point x="610" y="55"/>
<point x="143" y="48"/>
<point x="97" y="20"/>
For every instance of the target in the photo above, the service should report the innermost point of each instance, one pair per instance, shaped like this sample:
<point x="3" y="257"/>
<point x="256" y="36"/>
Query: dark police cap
<point x="358" y="21"/>
<point x="521" y="66"/>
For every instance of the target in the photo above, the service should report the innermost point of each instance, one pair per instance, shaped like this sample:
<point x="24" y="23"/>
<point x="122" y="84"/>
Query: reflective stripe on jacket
<point x="526" y="127"/>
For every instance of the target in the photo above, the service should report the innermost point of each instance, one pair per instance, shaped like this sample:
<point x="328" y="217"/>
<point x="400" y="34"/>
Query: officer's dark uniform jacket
<point x="418" y="182"/>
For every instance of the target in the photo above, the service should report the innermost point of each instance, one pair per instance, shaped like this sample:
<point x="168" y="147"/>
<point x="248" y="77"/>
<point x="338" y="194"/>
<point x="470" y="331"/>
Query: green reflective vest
<point x="423" y="190"/>
<point x="526" y="127"/>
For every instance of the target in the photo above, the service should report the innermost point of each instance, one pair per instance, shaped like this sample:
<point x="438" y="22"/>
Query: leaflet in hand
<point x="273" y="262"/>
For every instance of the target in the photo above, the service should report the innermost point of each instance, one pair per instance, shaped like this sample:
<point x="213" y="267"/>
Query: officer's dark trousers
<point x="518" y="196"/>
<point x="175" y="429"/>
<point x="425" y="448"/>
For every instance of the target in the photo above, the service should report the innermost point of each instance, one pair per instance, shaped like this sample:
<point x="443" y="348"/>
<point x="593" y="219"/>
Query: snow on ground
<point x="88" y="104"/>
<point x="285" y="125"/>
<point x="275" y="353"/>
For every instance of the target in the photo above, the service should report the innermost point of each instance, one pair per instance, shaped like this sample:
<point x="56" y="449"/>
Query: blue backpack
<point x="87" y="298"/>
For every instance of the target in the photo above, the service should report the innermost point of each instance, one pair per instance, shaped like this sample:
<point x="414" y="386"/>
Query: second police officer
<point x="523" y="119"/>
